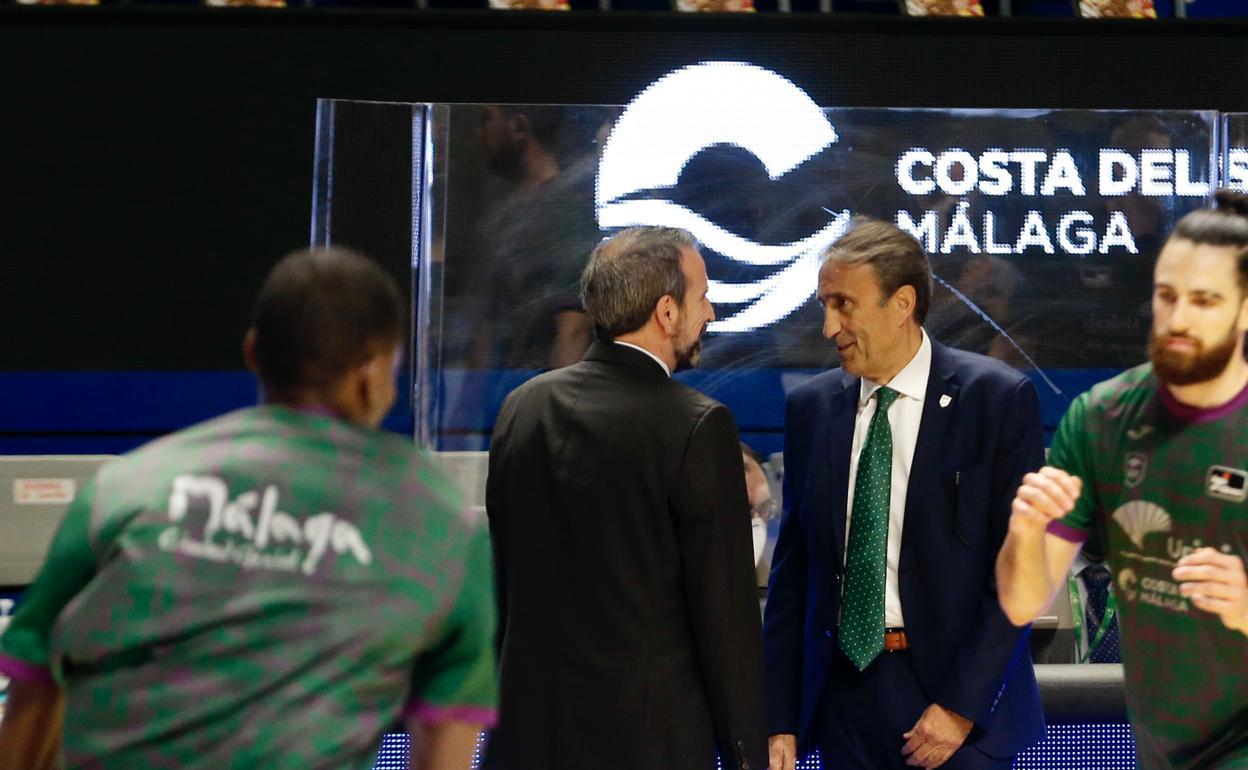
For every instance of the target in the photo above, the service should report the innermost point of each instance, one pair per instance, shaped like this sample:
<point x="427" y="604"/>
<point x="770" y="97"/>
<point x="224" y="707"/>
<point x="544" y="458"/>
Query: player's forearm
<point x="1024" y="583"/>
<point x="30" y="733"/>
<point x="445" y="745"/>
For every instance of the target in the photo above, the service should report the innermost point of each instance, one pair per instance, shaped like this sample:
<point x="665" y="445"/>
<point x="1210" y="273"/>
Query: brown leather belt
<point x="895" y="640"/>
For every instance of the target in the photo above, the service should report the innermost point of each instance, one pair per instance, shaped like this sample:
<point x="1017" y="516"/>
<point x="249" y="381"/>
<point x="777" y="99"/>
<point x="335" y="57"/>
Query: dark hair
<point x="321" y="312"/>
<point x="750" y="452"/>
<point x="629" y="273"/>
<point x="1226" y="224"/>
<point x="1140" y="132"/>
<point x="544" y="122"/>
<point x="897" y="257"/>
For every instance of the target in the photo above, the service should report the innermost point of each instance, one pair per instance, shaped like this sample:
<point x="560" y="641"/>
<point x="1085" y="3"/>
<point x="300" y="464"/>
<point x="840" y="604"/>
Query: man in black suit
<point x="886" y="646"/>
<point x="628" y="626"/>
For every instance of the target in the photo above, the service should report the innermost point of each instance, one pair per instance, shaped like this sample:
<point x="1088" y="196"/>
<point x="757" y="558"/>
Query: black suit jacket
<point x="630" y="636"/>
<point x="969" y="460"/>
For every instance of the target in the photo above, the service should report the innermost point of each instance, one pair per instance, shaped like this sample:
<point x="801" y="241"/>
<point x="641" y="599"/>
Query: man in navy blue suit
<point x="885" y="643"/>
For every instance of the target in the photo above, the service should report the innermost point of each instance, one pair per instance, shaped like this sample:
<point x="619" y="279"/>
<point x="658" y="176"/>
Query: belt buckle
<point x="895" y="640"/>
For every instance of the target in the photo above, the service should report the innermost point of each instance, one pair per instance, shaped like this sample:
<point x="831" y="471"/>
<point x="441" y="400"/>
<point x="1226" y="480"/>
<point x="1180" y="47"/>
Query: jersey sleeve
<point x="1071" y="452"/>
<point x="456" y="678"/>
<point x="70" y="565"/>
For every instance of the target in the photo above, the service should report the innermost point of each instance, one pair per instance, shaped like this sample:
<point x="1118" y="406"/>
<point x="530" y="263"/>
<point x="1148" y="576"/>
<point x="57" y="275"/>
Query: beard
<point x="507" y="162"/>
<point x="1201" y="365"/>
<point x="690" y="354"/>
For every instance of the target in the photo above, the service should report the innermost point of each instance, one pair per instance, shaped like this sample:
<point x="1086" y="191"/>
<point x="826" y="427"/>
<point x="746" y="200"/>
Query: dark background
<point x="154" y="163"/>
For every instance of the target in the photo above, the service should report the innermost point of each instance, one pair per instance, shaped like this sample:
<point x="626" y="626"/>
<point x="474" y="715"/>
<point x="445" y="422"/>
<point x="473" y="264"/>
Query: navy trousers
<point x="864" y="714"/>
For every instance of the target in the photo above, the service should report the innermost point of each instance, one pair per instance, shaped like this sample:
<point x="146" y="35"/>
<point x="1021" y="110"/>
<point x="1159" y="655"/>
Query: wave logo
<point x="700" y="106"/>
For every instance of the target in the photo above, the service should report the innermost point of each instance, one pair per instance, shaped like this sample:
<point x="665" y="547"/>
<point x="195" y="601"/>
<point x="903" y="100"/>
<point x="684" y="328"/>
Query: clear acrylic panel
<point x="1042" y="226"/>
<point x="1235" y="151"/>
<point x="370" y="184"/>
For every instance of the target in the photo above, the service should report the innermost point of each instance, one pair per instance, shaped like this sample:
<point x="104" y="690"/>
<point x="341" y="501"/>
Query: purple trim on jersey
<point x="20" y="671"/>
<point x="1066" y="532"/>
<point x="1196" y="414"/>
<point x="428" y="712"/>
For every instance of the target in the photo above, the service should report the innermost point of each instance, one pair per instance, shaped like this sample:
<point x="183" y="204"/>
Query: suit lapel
<point x="842" y="409"/>
<point x="939" y="403"/>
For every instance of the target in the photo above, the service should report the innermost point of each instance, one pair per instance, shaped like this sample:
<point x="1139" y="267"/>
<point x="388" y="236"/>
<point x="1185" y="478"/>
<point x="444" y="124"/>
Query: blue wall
<point x="114" y="412"/>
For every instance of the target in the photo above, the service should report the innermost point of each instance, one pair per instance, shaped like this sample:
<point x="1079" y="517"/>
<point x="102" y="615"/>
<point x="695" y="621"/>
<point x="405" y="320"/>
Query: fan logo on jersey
<point x="1133" y="468"/>
<point x="1227" y="483"/>
<point x="1140" y="518"/>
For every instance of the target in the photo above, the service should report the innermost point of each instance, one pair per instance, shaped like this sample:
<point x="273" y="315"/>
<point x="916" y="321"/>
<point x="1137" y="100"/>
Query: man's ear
<point x="249" y="351"/>
<point x="902" y="303"/>
<point x="365" y="392"/>
<point x="355" y="391"/>
<point x="667" y="313"/>
<point x="519" y="126"/>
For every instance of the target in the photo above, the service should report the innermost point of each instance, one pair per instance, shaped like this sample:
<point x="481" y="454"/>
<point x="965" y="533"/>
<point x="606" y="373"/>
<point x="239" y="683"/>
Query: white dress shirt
<point x="904" y="417"/>
<point x="657" y="360"/>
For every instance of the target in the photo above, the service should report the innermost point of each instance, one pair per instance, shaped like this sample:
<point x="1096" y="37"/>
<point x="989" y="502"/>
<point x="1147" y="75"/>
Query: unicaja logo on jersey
<point x="689" y="110"/>
<point x="1139" y="518"/>
<point x="1133" y="468"/>
<point x="1128" y="582"/>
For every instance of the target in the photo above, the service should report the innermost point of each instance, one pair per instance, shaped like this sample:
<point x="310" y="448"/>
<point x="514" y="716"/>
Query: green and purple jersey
<point x="1161" y="479"/>
<point x="273" y="588"/>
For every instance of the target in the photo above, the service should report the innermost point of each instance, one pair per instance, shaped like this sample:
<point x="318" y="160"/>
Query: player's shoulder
<point x="1129" y="390"/>
<point x="173" y="448"/>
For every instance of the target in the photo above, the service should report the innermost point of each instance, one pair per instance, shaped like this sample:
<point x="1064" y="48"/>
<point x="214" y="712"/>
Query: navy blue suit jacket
<point x="969" y="460"/>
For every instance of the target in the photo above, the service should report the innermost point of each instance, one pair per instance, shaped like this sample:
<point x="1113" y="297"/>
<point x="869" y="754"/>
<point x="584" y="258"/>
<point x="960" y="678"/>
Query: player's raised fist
<point x="1048" y="494"/>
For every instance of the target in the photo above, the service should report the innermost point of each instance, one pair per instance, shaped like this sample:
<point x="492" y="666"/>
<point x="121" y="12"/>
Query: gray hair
<point x="897" y="257"/>
<point x="629" y="273"/>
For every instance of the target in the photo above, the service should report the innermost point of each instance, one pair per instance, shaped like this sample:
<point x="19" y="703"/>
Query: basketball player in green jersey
<point x="274" y="588"/>
<point x="1148" y="472"/>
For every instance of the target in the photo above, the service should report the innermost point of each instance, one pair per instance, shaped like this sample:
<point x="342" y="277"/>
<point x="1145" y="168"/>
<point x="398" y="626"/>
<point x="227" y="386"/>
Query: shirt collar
<point x="911" y="381"/>
<point x="657" y="360"/>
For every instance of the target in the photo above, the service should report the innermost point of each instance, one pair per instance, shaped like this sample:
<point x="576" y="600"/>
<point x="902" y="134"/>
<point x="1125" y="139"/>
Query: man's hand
<point x="1046" y="495"/>
<point x="935" y="737"/>
<point x="1216" y="582"/>
<point x="782" y="752"/>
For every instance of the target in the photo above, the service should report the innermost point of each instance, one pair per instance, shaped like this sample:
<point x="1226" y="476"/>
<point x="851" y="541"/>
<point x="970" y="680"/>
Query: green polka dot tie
<point x="862" y="605"/>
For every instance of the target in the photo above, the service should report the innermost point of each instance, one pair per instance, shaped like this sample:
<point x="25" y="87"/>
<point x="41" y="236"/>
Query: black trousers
<point x="863" y="715"/>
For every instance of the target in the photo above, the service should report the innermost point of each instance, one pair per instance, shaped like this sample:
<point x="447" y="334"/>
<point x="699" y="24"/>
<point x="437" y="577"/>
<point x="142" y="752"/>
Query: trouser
<point x="859" y="724"/>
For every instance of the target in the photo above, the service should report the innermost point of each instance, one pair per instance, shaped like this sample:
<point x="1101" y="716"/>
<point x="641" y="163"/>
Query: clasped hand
<point x="935" y="737"/>
<point x="1215" y="582"/>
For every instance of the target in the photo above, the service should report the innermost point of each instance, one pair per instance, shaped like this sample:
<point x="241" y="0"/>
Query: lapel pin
<point x="945" y="400"/>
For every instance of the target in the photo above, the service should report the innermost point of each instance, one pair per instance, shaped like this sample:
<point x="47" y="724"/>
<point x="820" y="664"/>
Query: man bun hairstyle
<point x="897" y="257"/>
<point x="628" y="273"/>
<point x="321" y="312"/>
<point x="1232" y="201"/>
<point x="1226" y="224"/>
